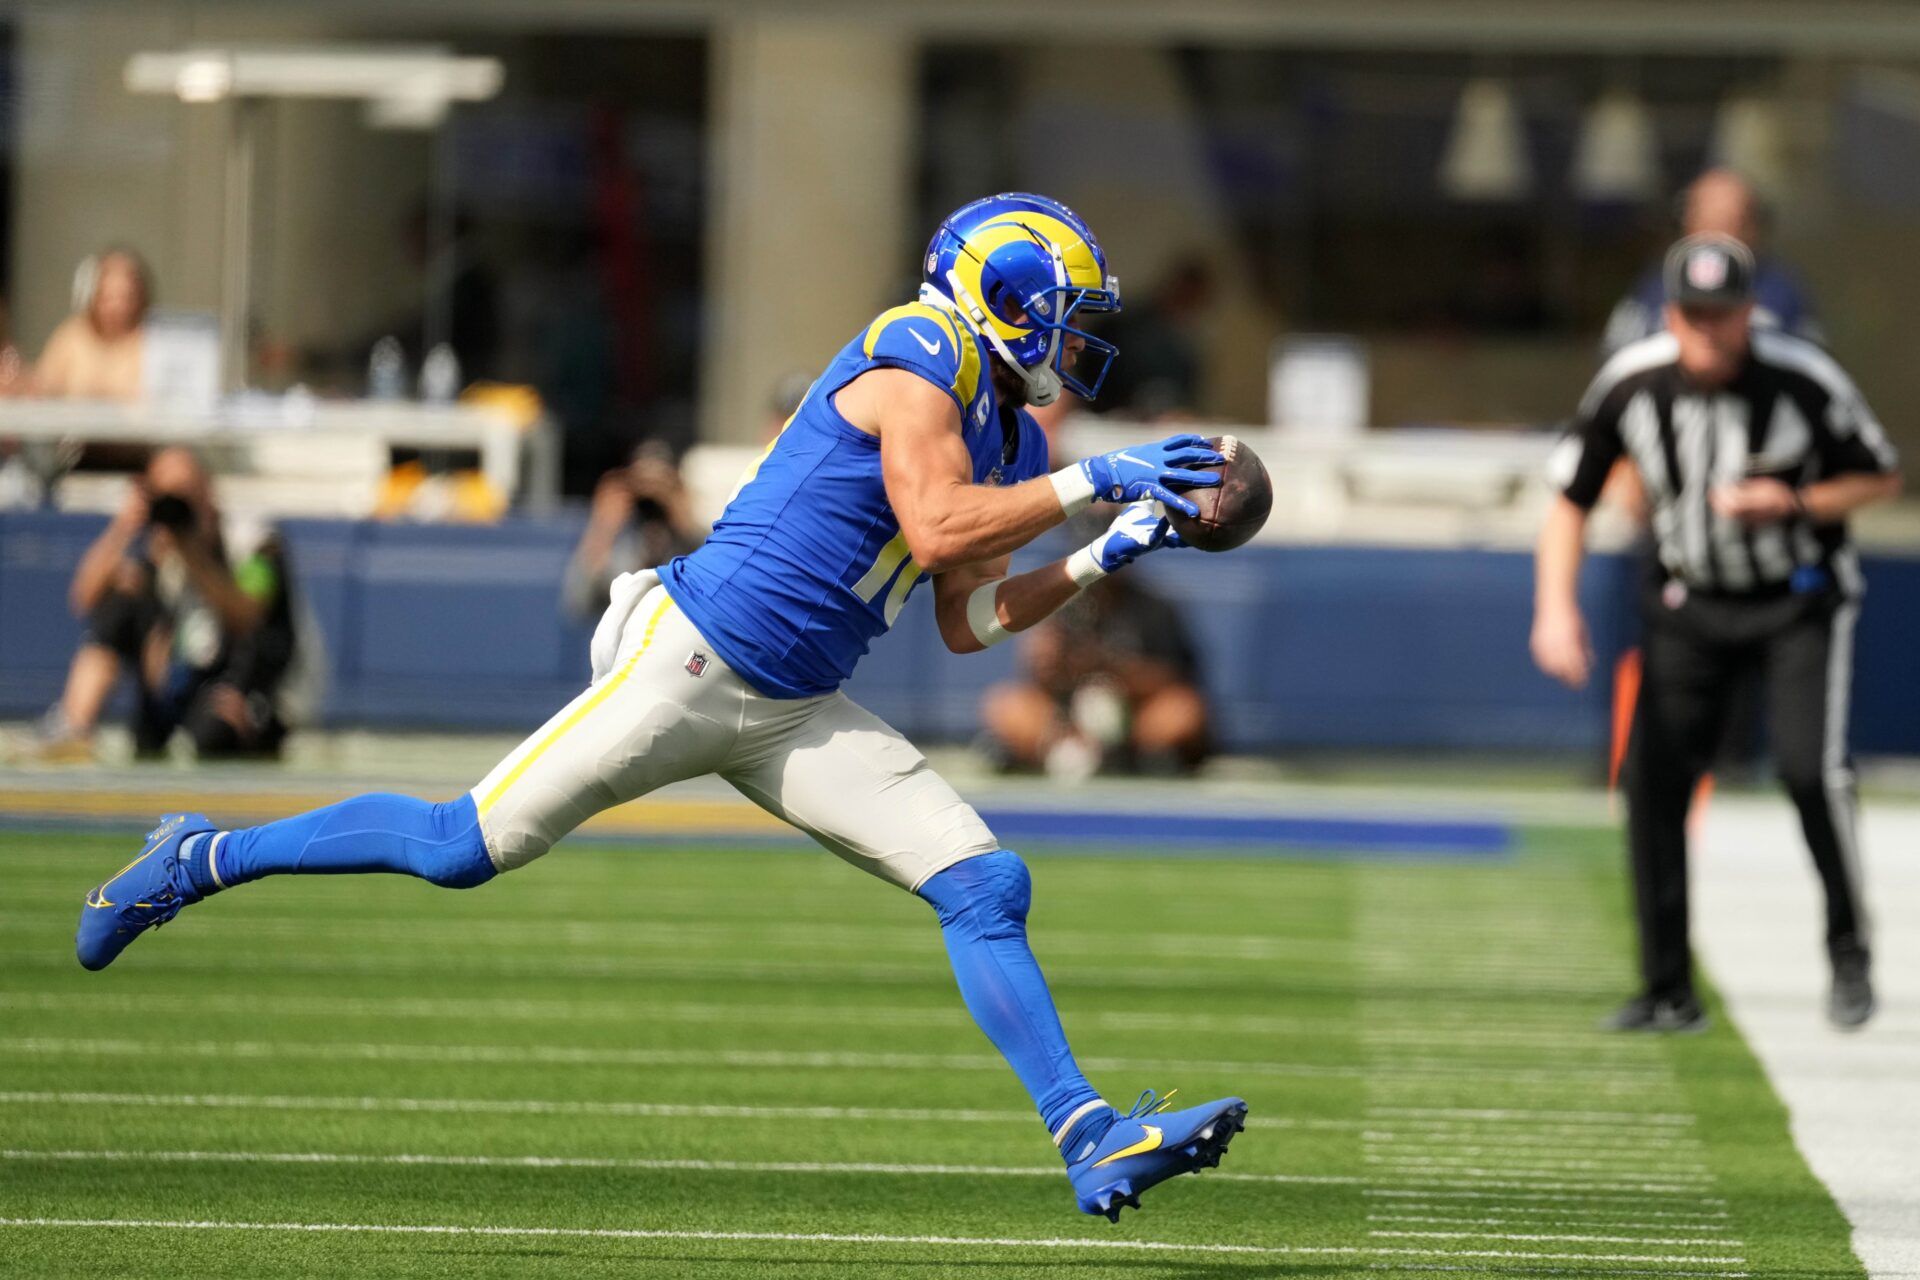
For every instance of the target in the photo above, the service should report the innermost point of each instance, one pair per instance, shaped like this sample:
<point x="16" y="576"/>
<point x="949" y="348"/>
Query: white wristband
<point x="1083" y="566"/>
<point x="1073" y="488"/>
<point x="983" y="614"/>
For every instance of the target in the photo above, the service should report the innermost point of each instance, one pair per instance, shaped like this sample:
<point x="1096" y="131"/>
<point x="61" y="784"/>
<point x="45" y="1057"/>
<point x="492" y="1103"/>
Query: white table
<point x="524" y="465"/>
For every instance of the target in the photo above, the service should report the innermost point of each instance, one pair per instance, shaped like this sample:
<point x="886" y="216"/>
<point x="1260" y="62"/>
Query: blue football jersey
<point x="807" y="564"/>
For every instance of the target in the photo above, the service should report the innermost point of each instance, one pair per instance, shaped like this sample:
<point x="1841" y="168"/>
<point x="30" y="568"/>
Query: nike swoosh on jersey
<point x="1149" y="1143"/>
<point x="932" y="348"/>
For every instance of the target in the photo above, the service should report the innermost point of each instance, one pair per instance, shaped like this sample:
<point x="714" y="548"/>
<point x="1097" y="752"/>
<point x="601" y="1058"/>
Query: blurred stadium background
<point x="422" y="275"/>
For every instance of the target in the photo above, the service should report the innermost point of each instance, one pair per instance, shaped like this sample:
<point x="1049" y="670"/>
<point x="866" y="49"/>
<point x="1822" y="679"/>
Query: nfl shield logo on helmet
<point x="697" y="663"/>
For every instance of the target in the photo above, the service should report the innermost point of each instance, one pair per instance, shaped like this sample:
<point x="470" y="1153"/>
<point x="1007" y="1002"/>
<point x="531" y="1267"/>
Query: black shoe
<point x="1850" y="999"/>
<point x="1666" y="1014"/>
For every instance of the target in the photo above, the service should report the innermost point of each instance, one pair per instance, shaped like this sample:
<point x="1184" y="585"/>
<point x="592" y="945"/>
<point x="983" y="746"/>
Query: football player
<point x="911" y="458"/>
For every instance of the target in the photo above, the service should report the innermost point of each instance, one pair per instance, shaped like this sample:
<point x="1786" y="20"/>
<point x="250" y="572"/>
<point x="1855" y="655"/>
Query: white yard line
<point x="1444" y="1193"/>
<point x="1517" y="1145"/>
<point x="992" y="1242"/>
<point x="519" y="1106"/>
<point x="606" y="1162"/>
<point x="1527" y="1116"/>
<point x="1612" y="1222"/>
<point x="503" y="1106"/>
<point x="1534" y="1162"/>
<point x="1551" y="1238"/>
<point x="775" y="1059"/>
<point x="1854" y="1102"/>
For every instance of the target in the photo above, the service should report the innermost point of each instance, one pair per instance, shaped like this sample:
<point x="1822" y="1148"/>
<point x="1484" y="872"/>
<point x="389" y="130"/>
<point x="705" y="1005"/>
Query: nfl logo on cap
<point x="1707" y="268"/>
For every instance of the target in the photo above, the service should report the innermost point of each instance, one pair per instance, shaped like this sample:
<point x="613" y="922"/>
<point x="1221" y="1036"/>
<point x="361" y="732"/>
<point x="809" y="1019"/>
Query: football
<point x="1232" y="511"/>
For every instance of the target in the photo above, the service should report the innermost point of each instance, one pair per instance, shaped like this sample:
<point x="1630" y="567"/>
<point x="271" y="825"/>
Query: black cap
<point x="1709" y="270"/>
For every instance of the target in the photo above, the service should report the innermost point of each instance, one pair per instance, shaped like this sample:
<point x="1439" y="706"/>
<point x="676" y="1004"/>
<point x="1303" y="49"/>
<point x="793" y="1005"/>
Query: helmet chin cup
<point x="1043" y="385"/>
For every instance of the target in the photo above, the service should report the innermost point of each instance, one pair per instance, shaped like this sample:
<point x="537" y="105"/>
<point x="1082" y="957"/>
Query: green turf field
<point x="706" y="1063"/>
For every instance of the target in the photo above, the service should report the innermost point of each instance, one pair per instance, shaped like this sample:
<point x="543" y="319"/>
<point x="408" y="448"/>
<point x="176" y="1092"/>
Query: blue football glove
<point x="1140" y="528"/>
<point x="1152" y="471"/>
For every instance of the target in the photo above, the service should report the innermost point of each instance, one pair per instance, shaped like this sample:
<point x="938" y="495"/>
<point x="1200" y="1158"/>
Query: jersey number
<point x="892" y="557"/>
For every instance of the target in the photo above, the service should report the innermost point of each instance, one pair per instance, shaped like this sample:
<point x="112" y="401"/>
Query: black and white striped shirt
<point x="1791" y="414"/>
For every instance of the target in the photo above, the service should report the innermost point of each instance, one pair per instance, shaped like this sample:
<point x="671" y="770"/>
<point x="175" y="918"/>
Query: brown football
<point x="1232" y="511"/>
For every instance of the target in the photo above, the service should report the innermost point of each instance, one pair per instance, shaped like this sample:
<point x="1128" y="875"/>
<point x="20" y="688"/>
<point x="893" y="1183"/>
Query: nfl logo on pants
<point x="696" y="663"/>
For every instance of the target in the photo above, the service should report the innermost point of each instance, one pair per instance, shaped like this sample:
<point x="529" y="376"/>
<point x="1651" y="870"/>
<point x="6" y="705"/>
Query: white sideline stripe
<point x="1552" y="1238"/>
<point x="605" y="1162"/>
<point x="794" y="1237"/>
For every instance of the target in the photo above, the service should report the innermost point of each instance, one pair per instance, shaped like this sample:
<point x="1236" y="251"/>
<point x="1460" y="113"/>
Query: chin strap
<point x="1043" y="384"/>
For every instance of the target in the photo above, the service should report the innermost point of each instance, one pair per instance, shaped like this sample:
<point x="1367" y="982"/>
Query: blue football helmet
<point x="1018" y="268"/>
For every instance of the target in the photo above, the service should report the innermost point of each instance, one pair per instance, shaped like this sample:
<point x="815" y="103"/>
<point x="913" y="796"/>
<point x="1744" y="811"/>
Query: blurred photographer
<point x="1109" y="683"/>
<point x="207" y="638"/>
<point x="642" y="516"/>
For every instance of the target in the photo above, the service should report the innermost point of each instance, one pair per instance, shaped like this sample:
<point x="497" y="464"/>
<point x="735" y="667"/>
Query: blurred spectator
<point x="1111" y="681"/>
<point x="207" y="640"/>
<point x="1158" y="371"/>
<point x="462" y="293"/>
<point x="95" y="354"/>
<point x="642" y="516"/>
<point x="1721" y="201"/>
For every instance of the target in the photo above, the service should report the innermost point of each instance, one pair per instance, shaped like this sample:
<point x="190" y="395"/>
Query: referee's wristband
<point x="1074" y="488"/>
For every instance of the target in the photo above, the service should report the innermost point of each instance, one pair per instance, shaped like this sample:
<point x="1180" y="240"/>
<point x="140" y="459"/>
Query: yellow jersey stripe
<point x="966" y="378"/>
<point x="605" y="691"/>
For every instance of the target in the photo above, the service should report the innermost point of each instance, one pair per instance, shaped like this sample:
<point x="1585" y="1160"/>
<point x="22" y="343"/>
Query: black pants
<point x="1696" y="656"/>
<point x="122" y="621"/>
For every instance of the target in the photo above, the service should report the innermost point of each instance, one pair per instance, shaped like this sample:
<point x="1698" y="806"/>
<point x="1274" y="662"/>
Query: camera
<point x="170" y="511"/>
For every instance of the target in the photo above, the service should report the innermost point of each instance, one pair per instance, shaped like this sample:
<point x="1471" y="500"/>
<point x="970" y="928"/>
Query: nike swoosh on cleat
<point x="1149" y="1143"/>
<point x="932" y="348"/>
<point x="97" y="898"/>
<point x="159" y="838"/>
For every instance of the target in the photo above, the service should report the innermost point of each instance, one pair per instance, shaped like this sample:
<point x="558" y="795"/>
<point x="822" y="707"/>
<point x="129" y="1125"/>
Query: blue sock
<point x="982" y="903"/>
<point x="437" y="842"/>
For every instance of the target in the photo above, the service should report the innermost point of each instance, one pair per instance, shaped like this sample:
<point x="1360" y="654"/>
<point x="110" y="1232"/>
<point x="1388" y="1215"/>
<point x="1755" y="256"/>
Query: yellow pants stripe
<point x="600" y="695"/>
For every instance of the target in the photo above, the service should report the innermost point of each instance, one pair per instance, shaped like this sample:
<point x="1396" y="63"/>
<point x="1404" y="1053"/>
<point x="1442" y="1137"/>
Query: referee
<point x="1753" y="448"/>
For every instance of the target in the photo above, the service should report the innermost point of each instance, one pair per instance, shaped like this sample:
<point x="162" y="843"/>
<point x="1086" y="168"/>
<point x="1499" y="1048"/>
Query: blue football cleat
<point x="1147" y="1146"/>
<point x="144" y="894"/>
